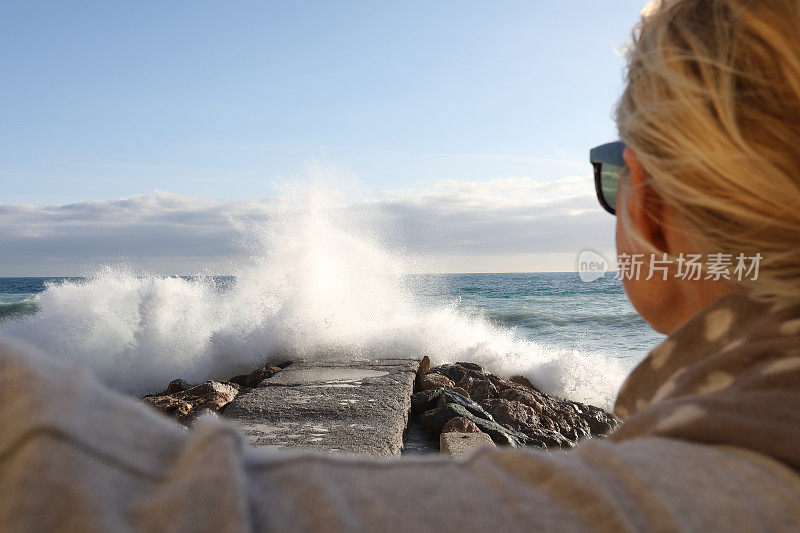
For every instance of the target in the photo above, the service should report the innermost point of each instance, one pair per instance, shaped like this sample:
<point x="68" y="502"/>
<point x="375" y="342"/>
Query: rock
<point x="460" y="424"/>
<point x="434" y="381"/>
<point x="184" y="405"/>
<point x="505" y="386"/>
<point x="449" y="396"/>
<point x="211" y="395"/>
<point x="500" y="383"/>
<point x="466" y="383"/>
<point x="599" y="421"/>
<point x="460" y="444"/>
<point x="176" y="385"/>
<point x="514" y="404"/>
<point x="573" y="420"/>
<point x="483" y="390"/>
<point x="457" y="371"/>
<point x="520" y="417"/>
<point x="424" y="400"/>
<point x="422" y="371"/>
<point x="479" y="384"/>
<point x="512" y="414"/>
<point x="436" y="419"/>
<point x="426" y="381"/>
<point x="172" y="407"/>
<point x="522" y="380"/>
<point x="257" y="376"/>
<point x="459" y="390"/>
<point x="536" y="401"/>
<point x="479" y="389"/>
<point x="471" y="366"/>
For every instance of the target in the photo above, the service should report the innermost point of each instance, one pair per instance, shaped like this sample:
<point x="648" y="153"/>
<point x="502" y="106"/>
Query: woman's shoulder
<point x="728" y="377"/>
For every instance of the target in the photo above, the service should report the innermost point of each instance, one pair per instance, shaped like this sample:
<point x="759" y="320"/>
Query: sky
<point x="141" y="131"/>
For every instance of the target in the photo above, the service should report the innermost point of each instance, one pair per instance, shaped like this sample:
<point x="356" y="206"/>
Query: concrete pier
<point x="358" y="407"/>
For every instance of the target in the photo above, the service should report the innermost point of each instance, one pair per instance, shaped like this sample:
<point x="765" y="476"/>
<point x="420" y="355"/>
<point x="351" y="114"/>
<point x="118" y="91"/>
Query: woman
<point x="710" y="120"/>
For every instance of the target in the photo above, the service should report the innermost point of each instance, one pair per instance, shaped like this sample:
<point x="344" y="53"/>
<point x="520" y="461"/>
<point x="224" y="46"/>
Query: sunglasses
<point x="607" y="161"/>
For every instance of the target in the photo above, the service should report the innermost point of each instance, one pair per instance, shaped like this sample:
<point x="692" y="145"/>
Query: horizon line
<point x="233" y="275"/>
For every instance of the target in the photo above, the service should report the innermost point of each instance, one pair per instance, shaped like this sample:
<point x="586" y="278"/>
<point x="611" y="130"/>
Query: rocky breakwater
<point x="362" y="407"/>
<point x="463" y="397"/>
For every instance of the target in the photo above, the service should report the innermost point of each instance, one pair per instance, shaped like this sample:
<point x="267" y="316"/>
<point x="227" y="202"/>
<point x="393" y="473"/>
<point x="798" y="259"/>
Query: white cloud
<point x="508" y="224"/>
<point x="502" y="218"/>
<point x="501" y="193"/>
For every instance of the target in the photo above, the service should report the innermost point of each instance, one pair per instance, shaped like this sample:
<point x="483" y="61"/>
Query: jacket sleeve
<point x="75" y="455"/>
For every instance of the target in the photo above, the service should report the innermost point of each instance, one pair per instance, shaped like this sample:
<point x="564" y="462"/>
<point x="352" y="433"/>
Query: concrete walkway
<point x="358" y="407"/>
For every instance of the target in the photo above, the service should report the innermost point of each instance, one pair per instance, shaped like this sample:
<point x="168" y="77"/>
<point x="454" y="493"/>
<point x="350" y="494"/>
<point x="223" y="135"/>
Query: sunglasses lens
<point x="609" y="184"/>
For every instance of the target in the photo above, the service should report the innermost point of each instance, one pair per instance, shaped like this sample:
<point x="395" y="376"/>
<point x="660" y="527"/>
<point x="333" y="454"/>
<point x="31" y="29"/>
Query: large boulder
<point x="176" y="385"/>
<point x="252" y="379"/>
<point x="176" y="408"/>
<point x="435" y="381"/>
<point x="462" y="444"/>
<point x="185" y="405"/>
<point x="573" y="420"/>
<point x="522" y="418"/>
<point x="425" y="400"/>
<point x="458" y="371"/>
<point x="449" y="396"/>
<point x="422" y="370"/>
<point x="436" y="419"/>
<point x="479" y="389"/>
<point x="426" y="380"/>
<point x="522" y="380"/>
<point x="460" y="424"/>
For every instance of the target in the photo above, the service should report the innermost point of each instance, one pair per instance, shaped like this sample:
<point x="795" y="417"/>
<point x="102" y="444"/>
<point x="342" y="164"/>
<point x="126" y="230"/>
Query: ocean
<point x="138" y="332"/>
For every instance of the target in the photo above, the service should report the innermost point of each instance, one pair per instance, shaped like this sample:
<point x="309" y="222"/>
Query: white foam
<point x="316" y="284"/>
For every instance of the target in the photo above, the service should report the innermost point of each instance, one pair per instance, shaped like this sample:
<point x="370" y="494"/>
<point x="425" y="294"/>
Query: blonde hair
<point x="712" y="111"/>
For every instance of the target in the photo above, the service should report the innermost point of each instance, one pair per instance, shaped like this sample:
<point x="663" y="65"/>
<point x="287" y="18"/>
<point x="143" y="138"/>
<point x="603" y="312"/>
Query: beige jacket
<point x="711" y="442"/>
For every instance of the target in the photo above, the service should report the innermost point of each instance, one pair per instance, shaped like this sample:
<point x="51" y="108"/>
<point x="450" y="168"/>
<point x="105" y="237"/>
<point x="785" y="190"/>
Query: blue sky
<point x="107" y="100"/>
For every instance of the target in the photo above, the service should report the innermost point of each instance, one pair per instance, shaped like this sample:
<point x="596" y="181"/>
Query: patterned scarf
<point x="729" y="376"/>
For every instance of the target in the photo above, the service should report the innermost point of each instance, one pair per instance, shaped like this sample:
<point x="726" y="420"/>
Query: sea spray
<point x="317" y="281"/>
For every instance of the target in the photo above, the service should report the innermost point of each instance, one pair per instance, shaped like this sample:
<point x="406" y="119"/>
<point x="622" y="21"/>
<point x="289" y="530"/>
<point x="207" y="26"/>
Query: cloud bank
<point x="504" y="225"/>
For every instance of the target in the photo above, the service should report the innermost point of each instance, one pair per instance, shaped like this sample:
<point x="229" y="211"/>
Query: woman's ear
<point x="644" y="205"/>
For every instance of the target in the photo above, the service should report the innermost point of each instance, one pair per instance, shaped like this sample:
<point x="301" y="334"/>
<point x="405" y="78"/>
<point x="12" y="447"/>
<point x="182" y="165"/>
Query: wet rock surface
<point x="511" y="411"/>
<point x="358" y="407"/>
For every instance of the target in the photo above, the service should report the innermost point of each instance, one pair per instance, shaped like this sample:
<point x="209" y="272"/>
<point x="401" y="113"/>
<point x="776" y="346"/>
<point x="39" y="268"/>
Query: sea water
<point x="312" y="285"/>
<point x="572" y="338"/>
